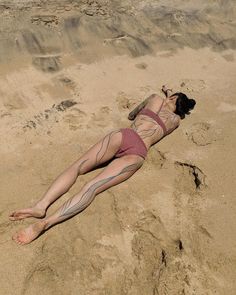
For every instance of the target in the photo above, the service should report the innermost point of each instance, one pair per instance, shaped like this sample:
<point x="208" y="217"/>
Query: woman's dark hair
<point x="183" y="104"/>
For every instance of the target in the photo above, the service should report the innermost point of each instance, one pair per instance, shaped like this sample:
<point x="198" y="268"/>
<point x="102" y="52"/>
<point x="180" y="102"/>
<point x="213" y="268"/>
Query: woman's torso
<point x="148" y="129"/>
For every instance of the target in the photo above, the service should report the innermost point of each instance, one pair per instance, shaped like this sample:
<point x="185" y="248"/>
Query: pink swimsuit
<point x="132" y="143"/>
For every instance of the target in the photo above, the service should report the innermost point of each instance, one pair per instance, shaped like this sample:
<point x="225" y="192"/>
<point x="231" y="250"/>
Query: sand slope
<point x="70" y="72"/>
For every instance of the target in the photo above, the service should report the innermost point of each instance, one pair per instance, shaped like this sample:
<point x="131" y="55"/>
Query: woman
<point x="153" y="119"/>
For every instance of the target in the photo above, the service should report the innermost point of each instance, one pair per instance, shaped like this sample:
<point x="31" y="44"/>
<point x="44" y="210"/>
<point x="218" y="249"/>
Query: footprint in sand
<point x="101" y="117"/>
<point x="65" y="82"/>
<point x="5" y="114"/>
<point x="75" y="119"/>
<point x="124" y="101"/>
<point x="156" y="158"/>
<point x="141" y="66"/>
<point x="192" y="85"/>
<point x="15" y="102"/>
<point x="147" y="253"/>
<point x="203" y="134"/>
<point x="40" y="118"/>
<point x="149" y="234"/>
<point x="105" y="110"/>
<point x="41" y="277"/>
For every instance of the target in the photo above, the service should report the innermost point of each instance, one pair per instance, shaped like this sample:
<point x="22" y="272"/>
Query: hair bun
<point x="191" y="103"/>
<point x="183" y="104"/>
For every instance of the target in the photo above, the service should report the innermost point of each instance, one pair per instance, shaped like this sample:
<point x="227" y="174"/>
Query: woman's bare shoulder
<point x="155" y="99"/>
<point x="156" y="96"/>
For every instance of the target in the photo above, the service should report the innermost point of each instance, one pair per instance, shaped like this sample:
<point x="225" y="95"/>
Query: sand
<point x="70" y="72"/>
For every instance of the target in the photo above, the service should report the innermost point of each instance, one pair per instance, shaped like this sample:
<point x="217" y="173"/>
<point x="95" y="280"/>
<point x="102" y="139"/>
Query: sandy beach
<point x="71" y="71"/>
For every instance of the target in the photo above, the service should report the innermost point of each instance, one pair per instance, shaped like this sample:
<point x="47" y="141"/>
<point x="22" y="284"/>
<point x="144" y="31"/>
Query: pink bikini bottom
<point x="131" y="144"/>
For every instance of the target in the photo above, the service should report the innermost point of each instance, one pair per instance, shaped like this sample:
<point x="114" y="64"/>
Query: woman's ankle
<point x="43" y="224"/>
<point x="42" y="206"/>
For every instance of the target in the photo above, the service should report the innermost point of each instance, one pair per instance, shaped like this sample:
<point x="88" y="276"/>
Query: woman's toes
<point x="12" y="215"/>
<point x="17" y="237"/>
<point x="19" y="242"/>
<point x="25" y="213"/>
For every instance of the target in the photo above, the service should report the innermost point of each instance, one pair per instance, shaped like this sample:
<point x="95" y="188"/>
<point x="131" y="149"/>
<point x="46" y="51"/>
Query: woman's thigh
<point x="99" y="153"/>
<point x="116" y="172"/>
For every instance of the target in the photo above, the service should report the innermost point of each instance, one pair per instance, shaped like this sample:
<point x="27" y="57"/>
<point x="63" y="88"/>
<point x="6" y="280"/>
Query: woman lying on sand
<point x="153" y="119"/>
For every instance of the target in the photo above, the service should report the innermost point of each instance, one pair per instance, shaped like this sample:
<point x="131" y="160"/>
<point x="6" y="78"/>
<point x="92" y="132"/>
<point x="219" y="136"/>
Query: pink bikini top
<point x="155" y="117"/>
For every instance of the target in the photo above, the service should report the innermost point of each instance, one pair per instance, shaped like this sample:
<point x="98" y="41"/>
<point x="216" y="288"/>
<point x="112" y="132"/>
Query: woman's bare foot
<point x="28" y="212"/>
<point x="29" y="234"/>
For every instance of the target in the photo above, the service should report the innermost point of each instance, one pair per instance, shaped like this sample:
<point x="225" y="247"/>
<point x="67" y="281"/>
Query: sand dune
<point x="72" y="71"/>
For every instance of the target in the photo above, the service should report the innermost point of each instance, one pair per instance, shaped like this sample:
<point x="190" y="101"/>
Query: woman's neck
<point x="170" y="104"/>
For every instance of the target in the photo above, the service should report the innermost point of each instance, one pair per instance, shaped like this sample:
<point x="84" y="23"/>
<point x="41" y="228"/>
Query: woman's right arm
<point x="134" y="113"/>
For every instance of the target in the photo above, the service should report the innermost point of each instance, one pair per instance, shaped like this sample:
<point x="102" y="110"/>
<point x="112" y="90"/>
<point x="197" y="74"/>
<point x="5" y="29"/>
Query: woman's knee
<point x="80" y="167"/>
<point x="83" y="170"/>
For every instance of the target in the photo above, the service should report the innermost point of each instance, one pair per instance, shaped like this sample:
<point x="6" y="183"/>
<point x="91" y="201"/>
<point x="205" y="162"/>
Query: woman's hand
<point x="131" y="116"/>
<point x="167" y="91"/>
